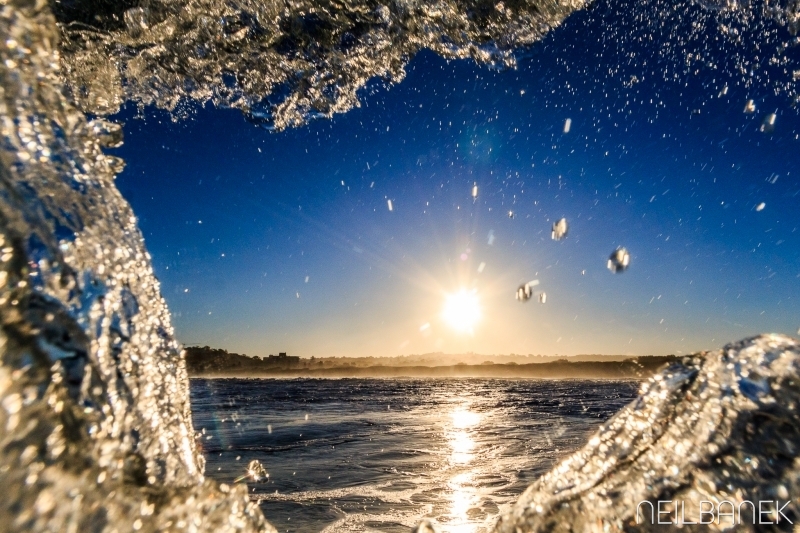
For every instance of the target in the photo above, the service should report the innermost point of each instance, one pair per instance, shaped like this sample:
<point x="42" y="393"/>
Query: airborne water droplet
<point x="768" y="124"/>
<point x="542" y="297"/>
<point x="474" y="189"/>
<point x="750" y="107"/>
<point x="525" y="291"/>
<point x="559" y="230"/>
<point x="619" y="260"/>
<point x="761" y="206"/>
<point x="567" y="125"/>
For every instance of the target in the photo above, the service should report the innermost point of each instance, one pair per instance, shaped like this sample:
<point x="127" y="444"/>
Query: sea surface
<point x="379" y="454"/>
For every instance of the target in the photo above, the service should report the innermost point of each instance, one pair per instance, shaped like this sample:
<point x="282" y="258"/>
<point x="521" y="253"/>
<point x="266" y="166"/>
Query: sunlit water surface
<point x="378" y="455"/>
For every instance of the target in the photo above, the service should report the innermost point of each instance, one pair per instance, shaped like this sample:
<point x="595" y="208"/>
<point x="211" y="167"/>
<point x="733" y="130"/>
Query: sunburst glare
<point x="462" y="310"/>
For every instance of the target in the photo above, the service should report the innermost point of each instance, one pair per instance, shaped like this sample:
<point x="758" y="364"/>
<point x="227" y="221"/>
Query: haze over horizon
<point x="346" y="236"/>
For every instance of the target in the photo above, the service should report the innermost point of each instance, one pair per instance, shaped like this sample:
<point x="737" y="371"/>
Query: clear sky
<point x="268" y="242"/>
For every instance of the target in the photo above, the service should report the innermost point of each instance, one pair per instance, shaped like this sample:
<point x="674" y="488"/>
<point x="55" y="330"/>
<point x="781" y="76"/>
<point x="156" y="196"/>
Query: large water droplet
<point x="619" y="260"/>
<point x="542" y="297"/>
<point x="559" y="230"/>
<point x="255" y="472"/>
<point x="525" y="291"/>
<point x="768" y="123"/>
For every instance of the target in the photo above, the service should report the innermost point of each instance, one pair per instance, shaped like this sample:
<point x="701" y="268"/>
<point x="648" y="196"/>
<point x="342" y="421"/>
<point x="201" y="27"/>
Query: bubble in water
<point x="750" y="107"/>
<point x="255" y="472"/>
<point x="559" y="230"/>
<point x="619" y="260"/>
<point x="525" y="291"/>
<point x="542" y="297"/>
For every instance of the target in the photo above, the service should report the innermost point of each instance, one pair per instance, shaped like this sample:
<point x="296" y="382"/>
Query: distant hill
<point x="210" y="362"/>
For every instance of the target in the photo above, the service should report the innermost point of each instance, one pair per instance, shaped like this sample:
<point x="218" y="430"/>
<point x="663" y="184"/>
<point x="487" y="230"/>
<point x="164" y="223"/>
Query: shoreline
<point x="631" y="369"/>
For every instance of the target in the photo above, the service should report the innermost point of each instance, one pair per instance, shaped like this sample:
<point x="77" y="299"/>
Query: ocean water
<point x="381" y="454"/>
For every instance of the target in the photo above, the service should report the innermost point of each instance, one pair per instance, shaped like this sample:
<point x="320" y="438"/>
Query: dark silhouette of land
<point x="210" y="362"/>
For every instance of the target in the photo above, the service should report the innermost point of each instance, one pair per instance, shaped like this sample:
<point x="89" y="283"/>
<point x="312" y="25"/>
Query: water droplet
<point x="511" y="214"/>
<point x="474" y="189"/>
<point x="525" y="291"/>
<point x="567" y="125"/>
<point x="255" y="471"/>
<point x="559" y="230"/>
<point x="542" y="297"/>
<point x="750" y="107"/>
<point x="761" y="206"/>
<point x="768" y="124"/>
<point x="619" y="260"/>
<point x="389" y="204"/>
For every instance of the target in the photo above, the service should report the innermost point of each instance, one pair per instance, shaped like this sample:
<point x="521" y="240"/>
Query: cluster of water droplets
<point x="618" y="262"/>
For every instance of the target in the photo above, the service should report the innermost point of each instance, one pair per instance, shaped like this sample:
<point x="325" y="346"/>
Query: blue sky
<point x="268" y="242"/>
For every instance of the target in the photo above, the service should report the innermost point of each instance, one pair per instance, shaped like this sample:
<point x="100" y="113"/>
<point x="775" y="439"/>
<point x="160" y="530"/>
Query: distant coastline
<point x="208" y="362"/>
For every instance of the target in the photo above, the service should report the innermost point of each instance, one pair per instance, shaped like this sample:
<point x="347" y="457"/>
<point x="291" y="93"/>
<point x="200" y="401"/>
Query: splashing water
<point x="721" y="426"/>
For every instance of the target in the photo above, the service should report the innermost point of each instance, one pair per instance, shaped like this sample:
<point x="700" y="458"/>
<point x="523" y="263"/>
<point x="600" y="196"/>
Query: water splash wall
<point x="94" y="425"/>
<point x="279" y="63"/>
<point x="722" y="426"/>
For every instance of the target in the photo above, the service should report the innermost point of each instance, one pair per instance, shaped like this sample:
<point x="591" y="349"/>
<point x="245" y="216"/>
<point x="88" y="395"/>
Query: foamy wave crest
<point x="280" y="63"/>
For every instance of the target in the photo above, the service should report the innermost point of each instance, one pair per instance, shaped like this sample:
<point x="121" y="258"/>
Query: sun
<point x="462" y="310"/>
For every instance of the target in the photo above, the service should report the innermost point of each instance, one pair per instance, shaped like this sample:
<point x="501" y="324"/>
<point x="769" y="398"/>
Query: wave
<point x="722" y="426"/>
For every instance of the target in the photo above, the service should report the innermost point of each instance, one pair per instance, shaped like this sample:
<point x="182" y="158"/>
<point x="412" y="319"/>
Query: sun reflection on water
<point x="462" y="491"/>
